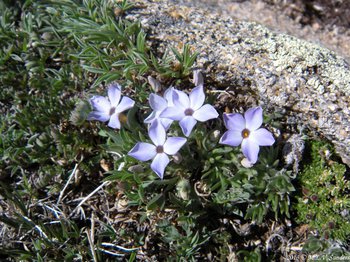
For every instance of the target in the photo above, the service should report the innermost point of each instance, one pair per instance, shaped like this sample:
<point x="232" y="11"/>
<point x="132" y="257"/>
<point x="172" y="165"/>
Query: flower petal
<point x="262" y="137"/>
<point x="96" y="115"/>
<point x="197" y="97"/>
<point x="101" y="104"/>
<point x="234" y="122"/>
<point x="180" y="99"/>
<point x="125" y="104"/>
<point x="173" y="144"/>
<point x="174" y="113"/>
<point x="253" y="118"/>
<point x="152" y="116"/>
<point x="114" y="121"/>
<point x="157" y="133"/>
<point x="159" y="164"/>
<point x="168" y="95"/>
<point x="187" y="124"/>
<point x="143" y="151"/>
<point x="205" y="113"/>
<point x="250" y="150"/>
<point x="231" y="138"/>
<point x="114" y="92"/>
<point x="157" y="102"/>
<point x="166" y="122"/>
<point x="198" y="78"/>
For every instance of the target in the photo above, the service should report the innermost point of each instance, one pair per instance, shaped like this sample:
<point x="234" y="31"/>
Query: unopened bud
<point x="177" y="158"/>
<point x="314" y="198"/>
<point x="136" y="169"/>
<point x="46" y="36"/>
<point x="198" y="78"/>
<point x="246" y="163"/>
<point x="214" y="136"/>
<point x="155" y="85"/>
<point x="184" y="189"/>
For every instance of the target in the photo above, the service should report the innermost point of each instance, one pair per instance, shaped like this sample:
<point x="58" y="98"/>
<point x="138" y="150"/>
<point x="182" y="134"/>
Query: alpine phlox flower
<point x="160" y="149"/>
<point x="159" y="104"/>
<point x="108" y="109"/>
<point x="246" y="131"/>
<point x="188" y="109"/>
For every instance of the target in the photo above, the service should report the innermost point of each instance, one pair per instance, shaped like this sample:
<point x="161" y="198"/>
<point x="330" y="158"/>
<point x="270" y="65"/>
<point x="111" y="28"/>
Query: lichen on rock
<point x="308" y="84"/>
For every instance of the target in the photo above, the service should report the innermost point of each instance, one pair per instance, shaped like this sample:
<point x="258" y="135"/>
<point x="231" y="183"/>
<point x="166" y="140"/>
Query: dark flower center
<point x="189" y="112"/>
<point x="159" y="149"/>
<point x="245" y="133"/>
<point x="112" y="111"/>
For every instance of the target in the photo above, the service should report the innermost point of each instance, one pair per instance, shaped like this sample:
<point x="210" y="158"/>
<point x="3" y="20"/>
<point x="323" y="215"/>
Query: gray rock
<point x="308" y="84"/>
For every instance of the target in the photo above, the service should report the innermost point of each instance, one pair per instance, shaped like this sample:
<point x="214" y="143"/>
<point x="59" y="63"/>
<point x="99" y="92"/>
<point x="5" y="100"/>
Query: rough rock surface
<point x="307" y="84"/>
<point x="327" y="25"/>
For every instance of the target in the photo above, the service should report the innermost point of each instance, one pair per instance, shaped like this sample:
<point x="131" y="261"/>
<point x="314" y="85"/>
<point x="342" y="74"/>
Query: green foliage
<point x="325" y="250"/>
<point x="216" y="185"/>
<point x="249" y="256"/>
<point x="38" y="95"/>
<point x="325" y="199"/>
<point x="249" y="192"/>
<point x="112" y="48"/>
<point x="187" y="244"/>
<point x="53" y="56"/>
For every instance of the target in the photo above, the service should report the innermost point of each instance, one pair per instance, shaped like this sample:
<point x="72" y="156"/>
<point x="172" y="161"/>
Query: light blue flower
<point x="158" y="104"/>
<point x="108" y="109"/>
<point x="245" y="130"/>
<point x="159" y="150"/>
<point x="188" y="109"/>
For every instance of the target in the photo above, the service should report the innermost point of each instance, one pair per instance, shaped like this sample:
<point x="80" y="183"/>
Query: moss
<point x="324" y="203"/>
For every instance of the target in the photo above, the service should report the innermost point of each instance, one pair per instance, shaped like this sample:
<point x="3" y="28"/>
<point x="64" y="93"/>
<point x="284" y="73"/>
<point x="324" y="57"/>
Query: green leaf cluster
<point x="325" y="202"/>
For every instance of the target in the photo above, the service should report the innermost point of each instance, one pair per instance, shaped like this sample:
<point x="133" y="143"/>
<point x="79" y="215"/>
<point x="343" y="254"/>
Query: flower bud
<point x="246" y="163"/>
<point x="184" y="189"/>
<point x="314" y="198"/>
<point x="177" y="158"/>
<point x="198" y="78"/>
<point x="136" y="169"/>
<point x="214" y="136"/>
<point x="155" y="85"/>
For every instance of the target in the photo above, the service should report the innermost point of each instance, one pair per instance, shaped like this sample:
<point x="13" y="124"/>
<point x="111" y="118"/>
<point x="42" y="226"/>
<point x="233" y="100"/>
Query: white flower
<point x="159" y="150"/>
<point x="245" y="130"/>
<point x="188" y="109"/>
<point x="158" y="104"/>
<point x="109" y="109"/>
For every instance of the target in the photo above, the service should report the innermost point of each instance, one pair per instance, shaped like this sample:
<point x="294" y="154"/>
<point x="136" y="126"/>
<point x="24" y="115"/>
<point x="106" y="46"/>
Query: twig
<point x="119" y="247"/>
<point x="54" y="211"/>
<point x="111" y="253"/>
<point x="66" y="185"/>
<point x="91" y="244"/>
<point x="88" y="196"/>
<point x="38" y="228"/>
<point x="93" y="227"/>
